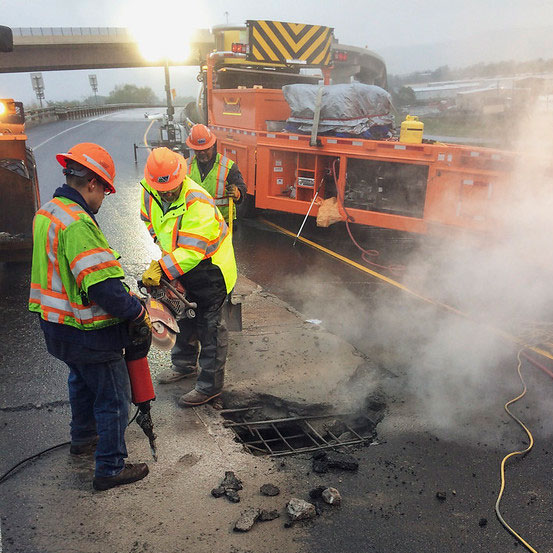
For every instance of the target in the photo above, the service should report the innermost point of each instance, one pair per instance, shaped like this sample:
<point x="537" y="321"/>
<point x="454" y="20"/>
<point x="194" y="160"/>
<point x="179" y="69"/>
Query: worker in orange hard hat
<point x="218" y="174"/>
<point x="86" y="313"/>
<point x="196" y="248"/>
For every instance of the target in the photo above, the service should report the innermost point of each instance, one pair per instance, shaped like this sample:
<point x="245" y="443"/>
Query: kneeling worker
<point x="197" y="249"/>
<point x="87" y="314"/>
<point x="218" y="174"/>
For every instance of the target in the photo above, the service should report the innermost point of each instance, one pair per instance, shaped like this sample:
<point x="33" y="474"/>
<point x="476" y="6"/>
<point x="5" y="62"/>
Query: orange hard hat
<point x="200" y="138"/>
<point x="94" y="158"/>
<point x="165" y="169"/>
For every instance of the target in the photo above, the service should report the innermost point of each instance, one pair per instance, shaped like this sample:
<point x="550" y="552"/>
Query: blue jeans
<point x="100" y="395"/>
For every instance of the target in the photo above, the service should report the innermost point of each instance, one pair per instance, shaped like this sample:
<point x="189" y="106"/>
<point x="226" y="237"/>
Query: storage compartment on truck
<point x="387" y="187"/>
<point x="298" y="175"/>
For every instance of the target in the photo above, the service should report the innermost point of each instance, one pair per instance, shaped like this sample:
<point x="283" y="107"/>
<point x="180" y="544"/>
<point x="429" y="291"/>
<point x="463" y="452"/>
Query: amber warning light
<point x="7" y="107"/>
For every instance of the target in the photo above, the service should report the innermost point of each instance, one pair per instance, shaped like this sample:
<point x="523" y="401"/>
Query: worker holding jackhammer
<point x="196" y="247"/>
<point x="87" y="314"/>
<point x="216" y="173"/>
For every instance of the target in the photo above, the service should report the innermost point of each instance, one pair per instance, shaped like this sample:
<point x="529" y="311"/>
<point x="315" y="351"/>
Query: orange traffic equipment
<point x="200" y="138"/>
<point x="165" y="169"/>
<point x="18" y="184"/>
<point x="94" y="158"/>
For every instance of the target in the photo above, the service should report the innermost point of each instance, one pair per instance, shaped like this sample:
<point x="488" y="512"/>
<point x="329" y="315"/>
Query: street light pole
<point x="170" y="108"/>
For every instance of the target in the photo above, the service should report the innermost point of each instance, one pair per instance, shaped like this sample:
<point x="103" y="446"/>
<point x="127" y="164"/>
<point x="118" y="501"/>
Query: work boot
<point x="174" y="375"/>
<point x="86" y="448"/>
<point x="194" y="398"/>
<point x="130" y="473"/>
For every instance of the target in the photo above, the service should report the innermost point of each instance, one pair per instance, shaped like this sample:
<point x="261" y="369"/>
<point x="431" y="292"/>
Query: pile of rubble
<point x="297" y="509"/>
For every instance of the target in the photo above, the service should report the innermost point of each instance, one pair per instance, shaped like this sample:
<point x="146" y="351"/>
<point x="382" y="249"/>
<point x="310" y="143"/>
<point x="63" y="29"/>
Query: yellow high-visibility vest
<point x="70" y="254"/>
<point x="214" y="181"/>
<point x="191" y="230"/>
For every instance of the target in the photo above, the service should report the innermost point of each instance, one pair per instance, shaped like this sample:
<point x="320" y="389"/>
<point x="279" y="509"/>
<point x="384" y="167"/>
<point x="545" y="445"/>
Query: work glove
<point x="152" y="275"/>
<point x="140" y="335"/>
<point x="232" y="191"/>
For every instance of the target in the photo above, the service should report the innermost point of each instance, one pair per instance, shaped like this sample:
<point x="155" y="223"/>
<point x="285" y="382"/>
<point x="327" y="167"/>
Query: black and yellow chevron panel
<point x="280" y="42"/>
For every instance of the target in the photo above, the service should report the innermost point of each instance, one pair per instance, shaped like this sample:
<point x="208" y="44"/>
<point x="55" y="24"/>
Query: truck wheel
<point x="246" y="209"/>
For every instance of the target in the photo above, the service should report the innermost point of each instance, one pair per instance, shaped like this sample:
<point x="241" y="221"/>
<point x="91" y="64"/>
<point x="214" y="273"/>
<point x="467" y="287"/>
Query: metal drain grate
<point x="292" y="435"/>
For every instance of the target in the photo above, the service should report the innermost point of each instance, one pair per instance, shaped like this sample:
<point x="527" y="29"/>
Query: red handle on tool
<point x="141" y="380"/>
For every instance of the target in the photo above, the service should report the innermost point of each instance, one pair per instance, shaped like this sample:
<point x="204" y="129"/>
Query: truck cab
<point x="19" y="192"/>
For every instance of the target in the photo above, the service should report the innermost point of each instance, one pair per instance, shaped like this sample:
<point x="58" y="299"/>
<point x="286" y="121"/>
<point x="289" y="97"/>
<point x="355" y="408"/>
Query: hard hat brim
<point x="64" y="158"/>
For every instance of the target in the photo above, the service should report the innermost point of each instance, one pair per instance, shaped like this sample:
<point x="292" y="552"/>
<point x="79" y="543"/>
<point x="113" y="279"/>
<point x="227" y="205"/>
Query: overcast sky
<point x="376" y="24"/>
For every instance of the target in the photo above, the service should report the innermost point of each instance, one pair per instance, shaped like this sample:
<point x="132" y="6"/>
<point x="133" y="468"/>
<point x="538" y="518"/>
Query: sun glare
<point x="162" y="29"/>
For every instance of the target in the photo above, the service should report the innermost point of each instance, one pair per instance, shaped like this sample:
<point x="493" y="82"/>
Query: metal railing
<point x="70" y="31"/>
<point x="46" y="115"/>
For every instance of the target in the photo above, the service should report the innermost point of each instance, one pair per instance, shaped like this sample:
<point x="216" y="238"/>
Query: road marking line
<point x="505" y="335"/>
<point x="63" y="132"/>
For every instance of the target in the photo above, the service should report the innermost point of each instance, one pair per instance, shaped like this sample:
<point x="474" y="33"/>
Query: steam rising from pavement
<point x="455" y="368"/>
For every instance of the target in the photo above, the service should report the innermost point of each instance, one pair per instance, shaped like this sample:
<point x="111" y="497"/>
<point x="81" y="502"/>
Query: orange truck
<point x="19" y="192"/>
<point x="404" y="183"/>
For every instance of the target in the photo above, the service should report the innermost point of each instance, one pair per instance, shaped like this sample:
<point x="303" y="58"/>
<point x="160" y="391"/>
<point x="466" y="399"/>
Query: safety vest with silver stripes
<point x="214" y="181"/>
<point x="70" y="254"/>
<point x="191" y="230"/>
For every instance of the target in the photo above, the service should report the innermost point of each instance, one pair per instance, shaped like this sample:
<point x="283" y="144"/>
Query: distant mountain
<point x="510" y="44"/>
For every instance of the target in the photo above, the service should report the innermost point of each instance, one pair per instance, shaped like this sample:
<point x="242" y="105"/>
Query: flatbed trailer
<point x="427" y="187"/>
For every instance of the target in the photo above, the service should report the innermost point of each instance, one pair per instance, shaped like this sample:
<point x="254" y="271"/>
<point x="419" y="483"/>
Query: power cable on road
<point x="444" y="306"/>
<point x="6" y="474"/>
<point x="506" y="336"/>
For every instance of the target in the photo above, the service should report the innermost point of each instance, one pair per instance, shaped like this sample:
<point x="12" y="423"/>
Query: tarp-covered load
<point x="346" y="109"/>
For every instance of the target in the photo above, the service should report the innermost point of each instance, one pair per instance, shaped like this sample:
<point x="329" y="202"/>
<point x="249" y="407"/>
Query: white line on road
<point x="63" y="132"/>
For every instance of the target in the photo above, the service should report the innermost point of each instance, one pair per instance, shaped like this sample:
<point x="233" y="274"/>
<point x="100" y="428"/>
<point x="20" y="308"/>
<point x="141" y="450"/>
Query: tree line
<point x="122" y="94"/>
<point x="475" y="71"/>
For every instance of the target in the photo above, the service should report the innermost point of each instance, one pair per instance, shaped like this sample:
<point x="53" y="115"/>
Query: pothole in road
<point x="274" y="428"/>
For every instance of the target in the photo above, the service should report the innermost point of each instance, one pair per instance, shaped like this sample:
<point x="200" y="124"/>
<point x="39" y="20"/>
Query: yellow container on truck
<point x="411" y="130"/>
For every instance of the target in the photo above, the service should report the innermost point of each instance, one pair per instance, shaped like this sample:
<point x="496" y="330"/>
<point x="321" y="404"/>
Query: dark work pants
<point x="209" y="329"/>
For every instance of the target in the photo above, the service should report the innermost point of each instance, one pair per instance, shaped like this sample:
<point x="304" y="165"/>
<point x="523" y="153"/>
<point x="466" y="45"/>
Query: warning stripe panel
<point x="281" y="42"/>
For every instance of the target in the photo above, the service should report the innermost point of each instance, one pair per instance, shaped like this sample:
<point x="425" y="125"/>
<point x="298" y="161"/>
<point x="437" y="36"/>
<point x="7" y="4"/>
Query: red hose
<point x="365" y="254"/>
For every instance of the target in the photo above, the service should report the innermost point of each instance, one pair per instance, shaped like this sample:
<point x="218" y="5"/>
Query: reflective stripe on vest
<point x="58" y="306"/>
<point x="90" y="261"/>
<point x="146" y="212"/>
<point x="224" y="164"/>
<point x="197" y="196"/>
<point x="222" y="174"/>
<point x="61" y="216"/>
<point x="191" y="241"/>
<point x="53" y="301"/>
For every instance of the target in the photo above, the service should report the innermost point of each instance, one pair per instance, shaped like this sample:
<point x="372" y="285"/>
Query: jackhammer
<point x="141" y="379"/>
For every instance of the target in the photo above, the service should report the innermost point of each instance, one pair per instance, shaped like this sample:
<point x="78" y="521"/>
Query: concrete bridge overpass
<point x="63" y="48"/>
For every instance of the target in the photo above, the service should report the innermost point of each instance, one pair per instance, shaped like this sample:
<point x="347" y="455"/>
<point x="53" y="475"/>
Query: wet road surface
<point x="445" y="429"/>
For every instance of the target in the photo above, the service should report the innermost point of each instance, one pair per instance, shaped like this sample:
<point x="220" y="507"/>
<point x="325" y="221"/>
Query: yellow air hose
<point x="506" y="336"/>
<point x="512" y="454"/>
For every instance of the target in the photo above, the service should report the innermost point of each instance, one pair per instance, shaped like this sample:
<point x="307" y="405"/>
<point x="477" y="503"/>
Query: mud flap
<point x="232" y="312"/>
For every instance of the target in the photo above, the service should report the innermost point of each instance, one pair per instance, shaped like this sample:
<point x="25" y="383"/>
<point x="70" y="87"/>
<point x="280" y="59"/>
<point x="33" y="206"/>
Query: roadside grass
<point x="486" y="127"/>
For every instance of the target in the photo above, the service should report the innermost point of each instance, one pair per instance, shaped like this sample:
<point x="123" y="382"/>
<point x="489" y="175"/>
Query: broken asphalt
<point x="287" y="366"/>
